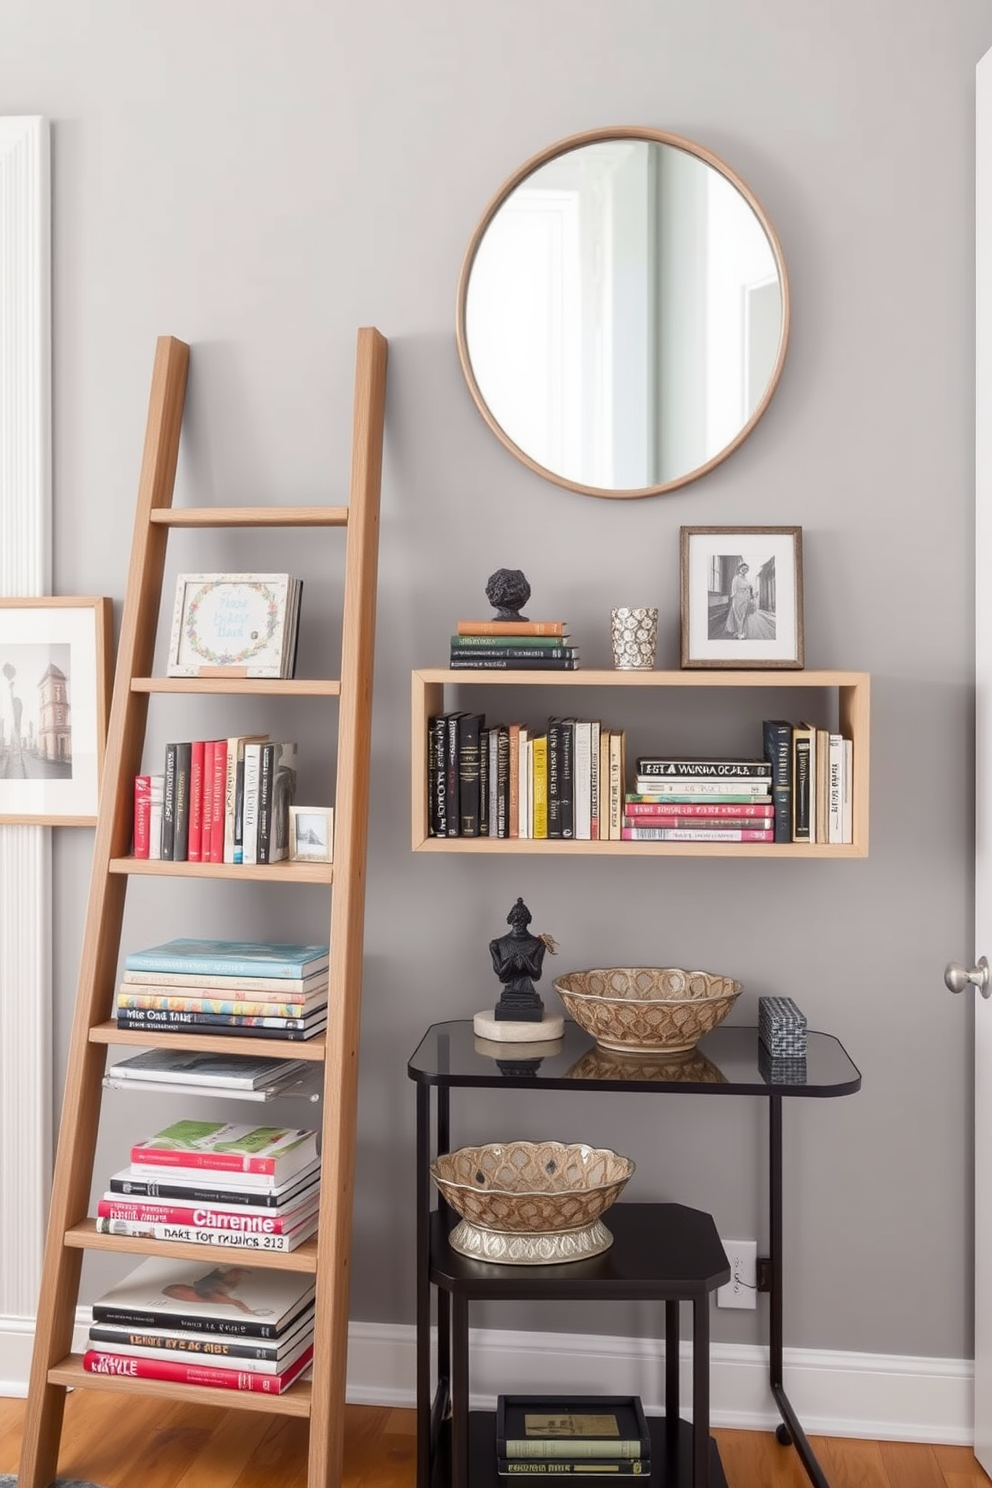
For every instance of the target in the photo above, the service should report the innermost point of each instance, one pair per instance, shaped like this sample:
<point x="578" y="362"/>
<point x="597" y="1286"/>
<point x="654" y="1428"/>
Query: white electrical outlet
<point x="742" y="1288"/>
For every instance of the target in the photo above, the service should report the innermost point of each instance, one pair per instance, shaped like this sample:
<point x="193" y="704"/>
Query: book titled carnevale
<point x="231" y="958"/>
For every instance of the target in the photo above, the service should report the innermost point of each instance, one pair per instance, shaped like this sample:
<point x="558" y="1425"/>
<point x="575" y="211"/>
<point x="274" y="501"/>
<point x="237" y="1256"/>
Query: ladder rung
<point x="286" y="871"/>
<point x="295" y="1402"/>
<point x="249" y="516"/>
<point x="260" y="686"/>
<point x="313" y="1049"/>
<point x="83" y="1236"/>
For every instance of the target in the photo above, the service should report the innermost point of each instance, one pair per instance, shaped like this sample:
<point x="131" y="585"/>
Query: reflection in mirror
<point x="623" y="312"/>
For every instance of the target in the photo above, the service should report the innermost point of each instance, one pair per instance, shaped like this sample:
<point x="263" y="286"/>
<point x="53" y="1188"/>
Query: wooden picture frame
<point x="742" y="597"/>
<point x="311" y="834"/>
<point x="55" y="685"/>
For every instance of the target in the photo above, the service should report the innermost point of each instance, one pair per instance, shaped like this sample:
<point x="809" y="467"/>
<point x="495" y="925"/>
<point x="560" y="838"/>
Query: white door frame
<point x="25" y="852"/>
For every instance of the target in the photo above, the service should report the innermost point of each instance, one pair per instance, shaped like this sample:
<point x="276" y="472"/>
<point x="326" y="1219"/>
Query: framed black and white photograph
<point x="311" y="834"/>
<point x="742" y="597"/>
<point x="55" y="682"/>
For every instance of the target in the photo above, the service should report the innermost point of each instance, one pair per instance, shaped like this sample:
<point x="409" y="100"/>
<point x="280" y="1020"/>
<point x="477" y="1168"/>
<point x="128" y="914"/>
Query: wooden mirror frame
<point x="551" y="152"/>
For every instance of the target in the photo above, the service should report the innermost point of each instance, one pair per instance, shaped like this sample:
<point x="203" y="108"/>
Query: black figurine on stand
<point x="518" y="959"/>
<point x="507" y="591"/>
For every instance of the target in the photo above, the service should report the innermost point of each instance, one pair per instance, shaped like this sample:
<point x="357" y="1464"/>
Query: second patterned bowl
<point x="530" y="1203"/>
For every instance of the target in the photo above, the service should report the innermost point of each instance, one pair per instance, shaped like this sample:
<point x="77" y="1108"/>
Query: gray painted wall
<point x="260" y="180"/>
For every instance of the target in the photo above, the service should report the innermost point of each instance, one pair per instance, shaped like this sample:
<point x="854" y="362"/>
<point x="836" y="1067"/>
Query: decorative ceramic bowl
<point x="647" y="1009"/>
<point x="530" y="1203"/>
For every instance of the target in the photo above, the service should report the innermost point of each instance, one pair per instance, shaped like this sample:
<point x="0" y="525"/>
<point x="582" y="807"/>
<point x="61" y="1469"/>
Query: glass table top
<point x="728" y="1061"/>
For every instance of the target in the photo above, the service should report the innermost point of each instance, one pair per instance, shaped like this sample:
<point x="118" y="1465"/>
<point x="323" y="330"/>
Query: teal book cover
<point x="231" y="958"/>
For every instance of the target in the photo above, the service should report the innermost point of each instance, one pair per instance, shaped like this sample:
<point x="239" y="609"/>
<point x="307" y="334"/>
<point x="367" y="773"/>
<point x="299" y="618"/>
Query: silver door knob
<point x="957" y="977"/>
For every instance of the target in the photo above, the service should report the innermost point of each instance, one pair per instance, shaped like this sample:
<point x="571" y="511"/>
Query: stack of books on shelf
<point x="580" y="1435"/>
<point x="563" y="780"/>
<point x="258" y="989"/>
<point x="700" y="800"/>
<point x="218" y="1183"/>
<point x="229" y="1327"/>
<point x="812" y="782"/>
<point x="166" y="1071"/>
<point x="218" y="801"/>
<point x="513" y="645"/>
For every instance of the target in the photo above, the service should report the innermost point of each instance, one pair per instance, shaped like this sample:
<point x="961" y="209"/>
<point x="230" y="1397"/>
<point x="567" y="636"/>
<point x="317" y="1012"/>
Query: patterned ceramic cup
<point x="635" y="637"/>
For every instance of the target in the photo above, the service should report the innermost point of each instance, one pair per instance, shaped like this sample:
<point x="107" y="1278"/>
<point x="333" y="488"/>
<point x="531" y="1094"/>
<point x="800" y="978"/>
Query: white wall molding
<point x="25" y="569"/>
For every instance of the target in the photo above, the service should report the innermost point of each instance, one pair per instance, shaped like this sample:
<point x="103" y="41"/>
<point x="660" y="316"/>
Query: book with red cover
<point x="142" y="815"/>
<point x="696" y="834"/>
<point x="704" y="810"/>
<point x="195" y="837"/>
<point x="128" y="1367"/>
<point x="217" y="785"/>
<point x="275" y="1152"/>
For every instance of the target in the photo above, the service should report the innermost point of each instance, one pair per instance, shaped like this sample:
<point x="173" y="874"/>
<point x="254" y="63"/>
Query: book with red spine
<point x="195" y="838"/>
<point x="209" y="1216"/>
<point x="132" y="1367"/>
<point x="705" y="810"/>
<point x="276" y="1152"/>
<point x="696" y="834"/>
<point x="217" y="785"/>
<point x="142" y="815"/>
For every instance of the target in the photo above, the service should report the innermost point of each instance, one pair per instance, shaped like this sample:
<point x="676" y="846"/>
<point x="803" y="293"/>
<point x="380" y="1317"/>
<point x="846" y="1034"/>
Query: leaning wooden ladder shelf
<point x="70" y="1233"/>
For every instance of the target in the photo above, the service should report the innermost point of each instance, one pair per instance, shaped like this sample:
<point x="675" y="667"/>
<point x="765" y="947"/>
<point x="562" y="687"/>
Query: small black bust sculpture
<point x="517" y="960"/>
<point x="507" y="591"/>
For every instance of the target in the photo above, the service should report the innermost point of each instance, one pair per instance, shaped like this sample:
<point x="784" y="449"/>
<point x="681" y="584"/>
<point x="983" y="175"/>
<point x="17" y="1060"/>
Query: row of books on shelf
<point x="225" y="1326"/>
<point x="255" y="989"/>
<point x="581" y="1435"/>
<point x="568" y="779"/>
<point x="217" y="801"/>
<point x="513" y="645"/>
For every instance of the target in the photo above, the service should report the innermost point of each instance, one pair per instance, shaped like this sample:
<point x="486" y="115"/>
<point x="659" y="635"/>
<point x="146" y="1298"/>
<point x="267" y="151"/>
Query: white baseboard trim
<point x="888" y="1397"/>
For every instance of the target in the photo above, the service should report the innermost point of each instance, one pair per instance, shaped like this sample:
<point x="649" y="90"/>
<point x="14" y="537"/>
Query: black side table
<point x="729" y="1061"/>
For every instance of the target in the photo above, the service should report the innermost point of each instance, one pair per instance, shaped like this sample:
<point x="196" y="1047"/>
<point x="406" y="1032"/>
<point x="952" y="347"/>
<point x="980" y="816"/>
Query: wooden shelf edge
<point x="314" y="1049"/>
<point x="600" y="677"/>
<point x="284" y="871"/>
<point x="250" y="516"/>
<point x="237" y="686"/>
<point x="539" y="846"/>
<point x="83" y="1236"/>
<point x="295" y="1402"/>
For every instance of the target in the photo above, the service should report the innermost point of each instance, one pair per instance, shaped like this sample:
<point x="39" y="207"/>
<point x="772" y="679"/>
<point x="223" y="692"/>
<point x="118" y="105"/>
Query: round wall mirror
<point x="623" y="312"/>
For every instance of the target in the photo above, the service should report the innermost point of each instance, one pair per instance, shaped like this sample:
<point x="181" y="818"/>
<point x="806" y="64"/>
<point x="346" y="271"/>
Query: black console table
<point x="729" y="1061"/>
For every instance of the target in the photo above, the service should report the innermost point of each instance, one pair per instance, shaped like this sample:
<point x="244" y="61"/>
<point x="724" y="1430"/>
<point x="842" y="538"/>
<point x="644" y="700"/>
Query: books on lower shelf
<point x="269" y="1154"/>
<point x="222" y="801"/>
<point x="812" y="782"/>
<point x="578" y="1433"/>
<point x="240" y="1075"/>
<point x="226" y="1326"/>
<point x="563" y="780"/>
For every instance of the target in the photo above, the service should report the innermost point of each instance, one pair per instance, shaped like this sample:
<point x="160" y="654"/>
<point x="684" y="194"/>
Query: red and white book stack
<point x="227" y="1327"/>
<point x="699" y="800"/>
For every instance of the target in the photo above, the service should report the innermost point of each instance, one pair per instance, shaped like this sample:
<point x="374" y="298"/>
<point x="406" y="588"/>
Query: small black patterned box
<point x="782" y="1027"/>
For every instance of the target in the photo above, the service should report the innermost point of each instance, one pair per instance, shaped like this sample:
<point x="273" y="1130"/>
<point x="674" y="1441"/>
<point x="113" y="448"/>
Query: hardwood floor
<point x="203" y="1447"/>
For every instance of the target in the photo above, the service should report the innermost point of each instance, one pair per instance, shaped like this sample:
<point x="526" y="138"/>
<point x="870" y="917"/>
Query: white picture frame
<point x="231" y="623"/>
<point x="311" y="834"/>
<point x="742" y="597"/>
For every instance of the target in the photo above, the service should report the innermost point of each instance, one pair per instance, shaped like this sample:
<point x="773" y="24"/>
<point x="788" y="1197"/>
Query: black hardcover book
<point x="571" y="1428"/>
<point x="440" y="729"/>
<point x="485" y="734"/>
<point x="169" y="804"/>
<point x="230" y="1198"/>
<point x="180" y="840"/>
<point x="566" y="778"/>
<point x="293" y="1035"/>
<point x="494" y="663"/>
<point x="706" y="769"/>
<point x="432" y="802"/>
<point x="554" y="777"/>
<point x="194" y="1349"/>
<point x="166" y="1018"/>
<point x="469" y="772"/>
<point x="266" y="770"/>
<point x="802" y="785"/>
<point x="514" y="654"/>
<point x="453" y="810"/>
<point x="776" y="734"/>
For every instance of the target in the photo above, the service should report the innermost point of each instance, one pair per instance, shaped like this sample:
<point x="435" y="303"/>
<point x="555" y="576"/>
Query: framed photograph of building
<point x="55" y="685"/>
<point x="311" y="834"/>
<point x="742" y="597"/>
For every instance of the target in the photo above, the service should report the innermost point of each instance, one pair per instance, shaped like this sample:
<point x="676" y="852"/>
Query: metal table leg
<point x="772" y="1283"/>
